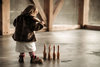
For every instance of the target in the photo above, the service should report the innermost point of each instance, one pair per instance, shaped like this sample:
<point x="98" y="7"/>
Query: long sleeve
<point x="35" y="26"/>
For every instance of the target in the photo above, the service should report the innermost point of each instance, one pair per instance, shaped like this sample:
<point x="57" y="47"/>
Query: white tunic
<point x="25" y="47"/>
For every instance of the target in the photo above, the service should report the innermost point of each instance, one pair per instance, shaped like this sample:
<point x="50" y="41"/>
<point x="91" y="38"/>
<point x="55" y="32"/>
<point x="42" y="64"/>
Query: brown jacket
<point x="25" y="27"/>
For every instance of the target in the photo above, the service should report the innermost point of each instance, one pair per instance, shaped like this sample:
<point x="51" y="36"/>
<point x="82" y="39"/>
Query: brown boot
<point x="21" y="59"/>
<point x="35" y="59"/>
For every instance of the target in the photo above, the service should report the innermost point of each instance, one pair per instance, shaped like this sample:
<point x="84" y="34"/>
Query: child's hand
<point x="42" y="23"/>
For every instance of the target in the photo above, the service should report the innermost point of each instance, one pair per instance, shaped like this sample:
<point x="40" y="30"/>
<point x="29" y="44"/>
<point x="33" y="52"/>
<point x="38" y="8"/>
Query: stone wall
<point x="68" y="14"/>
<point x="94" y="12"/>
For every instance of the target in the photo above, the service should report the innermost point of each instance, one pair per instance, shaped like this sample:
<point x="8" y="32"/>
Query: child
<point x="25" y="25"/>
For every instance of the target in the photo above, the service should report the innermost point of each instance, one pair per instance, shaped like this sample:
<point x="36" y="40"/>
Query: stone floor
<point x="78" y="48"/>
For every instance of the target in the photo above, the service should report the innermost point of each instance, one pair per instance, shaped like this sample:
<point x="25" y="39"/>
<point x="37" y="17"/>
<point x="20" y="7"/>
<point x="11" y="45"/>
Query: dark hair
<point x="29" y="10"/>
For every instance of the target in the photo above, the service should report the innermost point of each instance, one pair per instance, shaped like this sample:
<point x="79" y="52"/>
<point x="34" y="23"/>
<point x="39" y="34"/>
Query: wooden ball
<point x="41" y="61"/>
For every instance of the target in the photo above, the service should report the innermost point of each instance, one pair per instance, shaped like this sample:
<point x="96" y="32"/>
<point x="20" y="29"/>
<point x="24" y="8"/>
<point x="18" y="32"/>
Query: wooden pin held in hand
<point x="44" y="52"/>
<point x="54" y="54"/>
<point x="49" y="53"/>
<point x="58" y="54"/>
<point x="37" y="20"/>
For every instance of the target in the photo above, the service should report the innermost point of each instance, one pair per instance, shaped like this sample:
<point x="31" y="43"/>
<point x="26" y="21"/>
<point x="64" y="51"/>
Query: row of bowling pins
<point x="50" y="53"/>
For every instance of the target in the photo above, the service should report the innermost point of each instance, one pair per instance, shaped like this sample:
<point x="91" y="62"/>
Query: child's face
<point x="35" y="12"/>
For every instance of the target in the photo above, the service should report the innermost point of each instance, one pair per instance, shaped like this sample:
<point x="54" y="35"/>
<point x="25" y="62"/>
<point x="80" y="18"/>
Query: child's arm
<point x="37" y="20"/>
<point x="37" y="25"/>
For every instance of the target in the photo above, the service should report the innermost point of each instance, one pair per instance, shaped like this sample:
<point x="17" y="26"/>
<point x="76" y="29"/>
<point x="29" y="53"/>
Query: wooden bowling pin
<point x="44" y="52"/>
<point x="58" y="54"/>
<point x="49" y="53"/>
<point x="54" y="54"/>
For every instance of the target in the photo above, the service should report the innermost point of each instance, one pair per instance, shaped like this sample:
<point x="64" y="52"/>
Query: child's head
<point x="30" y="10"/>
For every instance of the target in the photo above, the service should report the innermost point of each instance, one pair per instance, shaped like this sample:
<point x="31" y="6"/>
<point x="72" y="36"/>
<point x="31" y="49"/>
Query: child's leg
<point x="31" y="53"/>
<point x="21" y="57"/>
<point x="34" y="59"/>
<point x="22" y="54"/>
